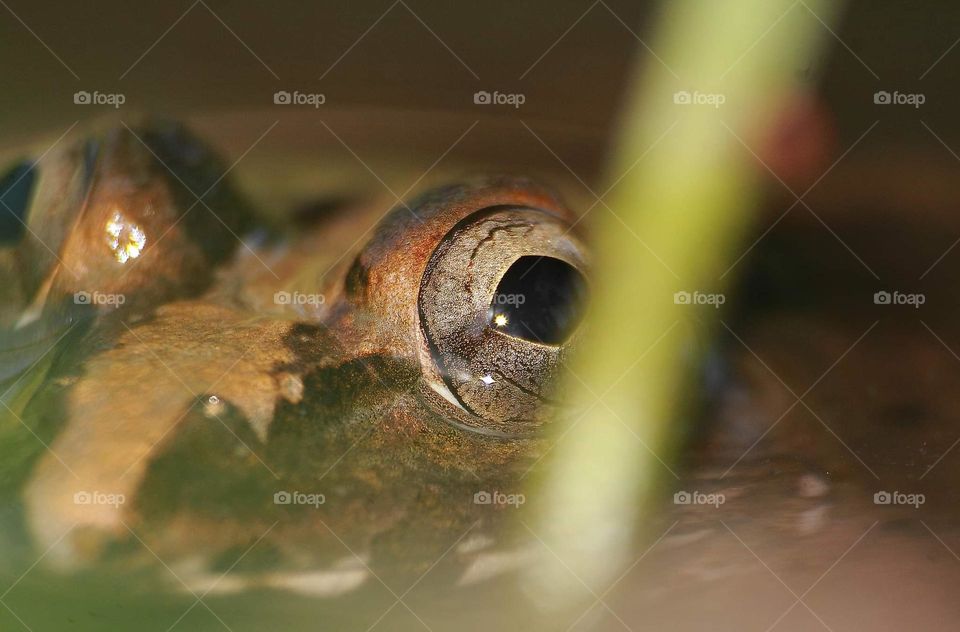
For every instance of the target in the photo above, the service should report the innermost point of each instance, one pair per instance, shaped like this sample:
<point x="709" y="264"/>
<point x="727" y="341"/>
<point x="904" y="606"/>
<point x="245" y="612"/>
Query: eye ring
<point x="497" y="379"/>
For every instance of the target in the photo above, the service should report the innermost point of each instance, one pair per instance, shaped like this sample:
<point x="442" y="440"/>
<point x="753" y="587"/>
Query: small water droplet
<point x="213" y="406"/>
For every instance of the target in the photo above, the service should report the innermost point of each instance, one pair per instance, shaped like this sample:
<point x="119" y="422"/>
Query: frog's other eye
<point x="499" y="304"/>
<point x="16" y="191"/>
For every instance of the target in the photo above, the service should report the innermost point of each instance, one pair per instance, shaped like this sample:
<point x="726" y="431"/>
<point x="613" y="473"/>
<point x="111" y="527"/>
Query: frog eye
<point x="16" y="191"/>
<point x="500" y="302"/>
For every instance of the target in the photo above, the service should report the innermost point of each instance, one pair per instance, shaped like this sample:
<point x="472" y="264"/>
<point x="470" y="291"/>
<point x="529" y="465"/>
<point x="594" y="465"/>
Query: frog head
<point x="395" y="363"/>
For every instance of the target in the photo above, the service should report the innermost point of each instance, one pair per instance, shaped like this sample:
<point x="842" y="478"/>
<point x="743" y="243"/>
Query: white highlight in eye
<point x="124" y="238"/>
<point x="500" y="320"/>
<point x="487" y="379"/>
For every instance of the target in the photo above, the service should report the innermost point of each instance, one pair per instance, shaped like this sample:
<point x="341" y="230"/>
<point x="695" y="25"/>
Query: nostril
<point x="539" y="299"/>
<point x="16" y="189"/>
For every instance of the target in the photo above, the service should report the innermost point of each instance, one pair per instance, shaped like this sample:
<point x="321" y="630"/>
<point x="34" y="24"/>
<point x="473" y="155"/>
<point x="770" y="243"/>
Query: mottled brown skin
<point x="339" y="397"/>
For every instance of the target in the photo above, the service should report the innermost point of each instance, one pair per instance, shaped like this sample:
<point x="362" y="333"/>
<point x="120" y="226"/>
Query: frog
<point x="311" y="403"/>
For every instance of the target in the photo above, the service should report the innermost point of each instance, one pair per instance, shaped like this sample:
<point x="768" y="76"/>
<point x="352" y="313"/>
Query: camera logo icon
<point x="899" y="498"/>
<point x="916" y="99"/>
<point x="482" y="498"/>
<point x="681" y="298"/>
<point x="284" y="497"/>
<point x="285" y="97"/>
<point x="899" y="298"/>
<point x="682" y="498"/>
<point x="282" y="298"/>
<point x="682" y="98"/>
<point x="483" y="97"/>
<point x="82" y="498"/>
<point x="82" y="97"/>
<point x="81" y="298"/>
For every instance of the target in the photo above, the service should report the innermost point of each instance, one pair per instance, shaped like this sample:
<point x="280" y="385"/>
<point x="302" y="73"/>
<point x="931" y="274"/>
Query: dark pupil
<point x="539" y="299"/>
<point x="15" y="188"/>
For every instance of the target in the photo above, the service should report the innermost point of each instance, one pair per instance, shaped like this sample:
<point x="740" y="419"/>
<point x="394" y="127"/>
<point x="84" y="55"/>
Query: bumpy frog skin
<point x="383" y="376"/>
